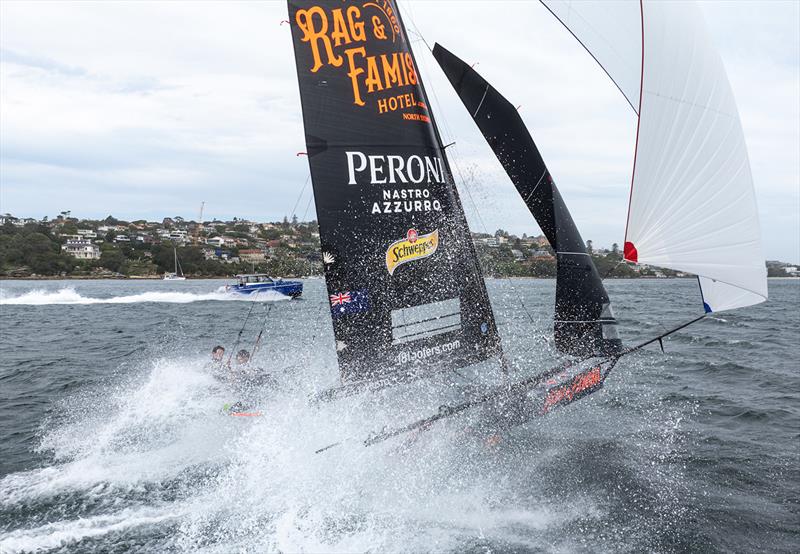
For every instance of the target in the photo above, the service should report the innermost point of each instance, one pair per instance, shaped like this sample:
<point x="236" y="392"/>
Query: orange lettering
<point x="356" y="27"/>
<point x="411" y="75"/>
<point x="373" y="80"/>
<point x="355" y="72"/>
<point x="305" y="20"/>
<point x="339" y="33"/>
<point x="391" y="70"/>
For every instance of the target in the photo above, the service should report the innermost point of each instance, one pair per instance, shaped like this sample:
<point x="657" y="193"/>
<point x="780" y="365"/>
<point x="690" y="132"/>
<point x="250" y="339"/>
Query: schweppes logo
<point x="413" y="247"/>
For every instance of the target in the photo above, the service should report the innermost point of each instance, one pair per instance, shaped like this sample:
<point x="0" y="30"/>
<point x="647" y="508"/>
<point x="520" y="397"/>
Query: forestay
<point x="692" y="204"/>
<point x="405" y="287"/>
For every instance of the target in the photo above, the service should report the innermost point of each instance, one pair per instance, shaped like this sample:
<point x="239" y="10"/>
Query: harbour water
<point x="113" y="438"/>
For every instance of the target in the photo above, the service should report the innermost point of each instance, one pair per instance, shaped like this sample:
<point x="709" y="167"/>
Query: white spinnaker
<point x="692" y="205"/>
<point x="606" y="30"/>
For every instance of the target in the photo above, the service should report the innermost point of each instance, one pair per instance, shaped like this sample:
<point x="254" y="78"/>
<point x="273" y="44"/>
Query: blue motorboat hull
<point x="288" y="288"/>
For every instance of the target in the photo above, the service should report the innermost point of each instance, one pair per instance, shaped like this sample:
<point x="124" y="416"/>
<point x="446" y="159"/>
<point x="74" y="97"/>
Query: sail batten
<point x="692" y="196"/>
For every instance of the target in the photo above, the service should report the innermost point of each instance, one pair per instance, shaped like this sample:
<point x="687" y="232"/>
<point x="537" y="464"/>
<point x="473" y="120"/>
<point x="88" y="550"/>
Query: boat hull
<point x="293" y="289"/>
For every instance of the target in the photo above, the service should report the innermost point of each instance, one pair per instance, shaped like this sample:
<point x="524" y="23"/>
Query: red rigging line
<point x="629" y="247"/>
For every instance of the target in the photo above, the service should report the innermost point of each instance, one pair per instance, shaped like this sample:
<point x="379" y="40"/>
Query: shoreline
<point x="221" y="277"/>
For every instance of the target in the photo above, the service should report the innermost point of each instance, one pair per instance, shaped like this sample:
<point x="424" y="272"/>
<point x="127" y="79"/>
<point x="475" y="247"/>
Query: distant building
<point x="81" y="249"/>
<point x="518" y="256"/>
<point x="251" y="255"/>
<point x="122" y="238"/>
<point x="87" y="233"/>
<point x="216" y="241"/>
<point x="542" y="255"/>
<point x="178" y="236"/>
<point x="491" y="242"/>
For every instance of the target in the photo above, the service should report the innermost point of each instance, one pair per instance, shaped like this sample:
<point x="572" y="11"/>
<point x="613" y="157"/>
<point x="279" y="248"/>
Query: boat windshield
<point x="248" y="279"/>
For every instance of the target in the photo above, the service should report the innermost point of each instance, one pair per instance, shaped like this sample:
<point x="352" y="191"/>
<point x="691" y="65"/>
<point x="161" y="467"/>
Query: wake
<point x="69" y="296"/>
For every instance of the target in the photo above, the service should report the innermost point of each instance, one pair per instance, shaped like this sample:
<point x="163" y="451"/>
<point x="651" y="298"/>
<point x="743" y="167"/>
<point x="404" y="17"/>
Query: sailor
<point x="242" y="357"/>
<point x="247" y="375"/>
<point x="217" y="366"/>
<point x="217" y="354"/>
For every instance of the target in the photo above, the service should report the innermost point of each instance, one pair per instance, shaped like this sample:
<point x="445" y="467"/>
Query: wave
<point x="64" y="533"/>
<point x="68" y="296"/>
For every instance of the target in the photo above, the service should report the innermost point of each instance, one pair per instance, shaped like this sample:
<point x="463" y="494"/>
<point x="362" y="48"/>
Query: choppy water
<point x="112" y="440"/>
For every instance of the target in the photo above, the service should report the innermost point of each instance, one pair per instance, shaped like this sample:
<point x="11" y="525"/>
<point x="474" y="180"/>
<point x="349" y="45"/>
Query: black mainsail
<point x="404" y="284"/>
<point x="584" y="323"/>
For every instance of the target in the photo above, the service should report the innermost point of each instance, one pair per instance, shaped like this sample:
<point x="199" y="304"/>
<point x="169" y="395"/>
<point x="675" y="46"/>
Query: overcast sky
<point x="143" y="110"/>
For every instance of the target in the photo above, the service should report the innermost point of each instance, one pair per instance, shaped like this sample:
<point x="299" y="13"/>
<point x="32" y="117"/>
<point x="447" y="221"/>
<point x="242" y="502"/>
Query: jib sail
<point x="404" y="284"/>
<point x="584" y="322"/>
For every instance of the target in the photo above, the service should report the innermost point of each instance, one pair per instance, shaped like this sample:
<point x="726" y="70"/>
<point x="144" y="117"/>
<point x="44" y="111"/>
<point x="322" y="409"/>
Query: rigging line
<point x="410" y="13"/>
<point x="302" y="190"/>
<point x="503" y="361"/>
<point x="612" y="270"/>
<point x="239" y="336"/>
<point x="456" y="165"/>
<point x="443" y="120"/>
<point x="257" y="343"/>
<point x="308" y="205"/>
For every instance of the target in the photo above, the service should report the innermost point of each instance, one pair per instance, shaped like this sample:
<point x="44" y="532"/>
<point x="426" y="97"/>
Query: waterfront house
<point x="81" y="249"/>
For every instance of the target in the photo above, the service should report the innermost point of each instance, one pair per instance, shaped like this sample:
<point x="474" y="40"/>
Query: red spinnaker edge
<point x="636" y="149"/>
<point x="630" y="253"/>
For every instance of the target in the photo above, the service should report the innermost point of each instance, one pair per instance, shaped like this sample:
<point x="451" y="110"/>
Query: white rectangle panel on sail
<point x="426" y="320"/>
<point x="693" y="206"/>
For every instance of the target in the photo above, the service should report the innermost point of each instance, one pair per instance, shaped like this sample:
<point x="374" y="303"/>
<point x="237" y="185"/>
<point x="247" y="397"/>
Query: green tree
<point x="113" y="260"/>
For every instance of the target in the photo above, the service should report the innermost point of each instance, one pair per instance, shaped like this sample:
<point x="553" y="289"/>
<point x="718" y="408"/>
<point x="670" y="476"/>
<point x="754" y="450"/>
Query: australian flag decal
<point x="349" y="302"/>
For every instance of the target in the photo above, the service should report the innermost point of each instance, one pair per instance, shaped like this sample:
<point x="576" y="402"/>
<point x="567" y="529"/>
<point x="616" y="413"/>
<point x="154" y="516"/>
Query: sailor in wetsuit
<point x="217" y="366"/>
<point x="248" y="382"/>
<point x="243" y="373"/>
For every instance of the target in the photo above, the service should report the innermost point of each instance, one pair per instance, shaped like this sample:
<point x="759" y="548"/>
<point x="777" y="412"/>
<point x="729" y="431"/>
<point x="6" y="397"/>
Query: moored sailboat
<point x="176" y="275"/>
